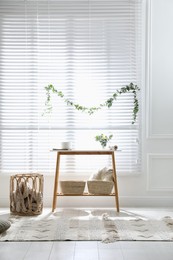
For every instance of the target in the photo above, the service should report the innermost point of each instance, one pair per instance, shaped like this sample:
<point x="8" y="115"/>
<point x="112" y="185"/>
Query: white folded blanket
<point x="104" y="174"/>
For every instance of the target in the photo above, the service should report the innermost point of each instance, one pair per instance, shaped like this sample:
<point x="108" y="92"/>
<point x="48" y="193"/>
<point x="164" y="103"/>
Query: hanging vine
<point x="90" y="110"/>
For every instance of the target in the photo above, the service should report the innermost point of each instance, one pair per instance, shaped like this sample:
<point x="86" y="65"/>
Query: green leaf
<point x="90" y="110"/>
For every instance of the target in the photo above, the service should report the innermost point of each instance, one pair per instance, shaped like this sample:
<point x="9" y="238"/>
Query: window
<point x="87" y="49"/>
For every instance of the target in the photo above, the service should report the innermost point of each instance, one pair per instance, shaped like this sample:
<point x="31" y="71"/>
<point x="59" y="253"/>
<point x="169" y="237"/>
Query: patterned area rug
<point x="80" y="225"/>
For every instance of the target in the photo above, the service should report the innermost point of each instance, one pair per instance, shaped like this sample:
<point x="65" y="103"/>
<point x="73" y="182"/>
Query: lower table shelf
<point x="85" y="194"/>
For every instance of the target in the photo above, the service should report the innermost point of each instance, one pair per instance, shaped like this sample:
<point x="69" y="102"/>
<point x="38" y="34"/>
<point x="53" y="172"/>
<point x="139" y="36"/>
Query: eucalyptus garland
<point x="90" y="110"/>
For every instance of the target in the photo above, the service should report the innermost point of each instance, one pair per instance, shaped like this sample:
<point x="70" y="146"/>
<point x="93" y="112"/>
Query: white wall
<point x="154" y="187"/>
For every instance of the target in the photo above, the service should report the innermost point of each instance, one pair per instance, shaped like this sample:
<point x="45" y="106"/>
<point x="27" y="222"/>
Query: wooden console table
<point x="84" y="152"/>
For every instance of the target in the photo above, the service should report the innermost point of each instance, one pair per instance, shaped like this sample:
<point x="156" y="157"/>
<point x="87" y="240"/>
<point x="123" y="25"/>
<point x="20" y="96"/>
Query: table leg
<point x="115" y="181"/>
<point x="56" y="182"/>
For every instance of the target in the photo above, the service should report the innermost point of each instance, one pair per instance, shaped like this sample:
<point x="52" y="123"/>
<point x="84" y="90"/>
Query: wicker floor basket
<point x="72" y="187"/>
<point x="26" y="194"/>
<point x="100" y="187"/>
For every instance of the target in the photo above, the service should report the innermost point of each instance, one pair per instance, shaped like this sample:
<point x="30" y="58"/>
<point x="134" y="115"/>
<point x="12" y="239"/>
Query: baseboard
<point x="152" y="201"/>
<point x="125" y="201"/>
<point x="4" y="202"/>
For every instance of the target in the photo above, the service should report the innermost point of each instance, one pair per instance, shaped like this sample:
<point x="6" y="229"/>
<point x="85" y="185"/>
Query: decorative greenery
<point x="103" y="139"/>
<point x="90" y="110"/>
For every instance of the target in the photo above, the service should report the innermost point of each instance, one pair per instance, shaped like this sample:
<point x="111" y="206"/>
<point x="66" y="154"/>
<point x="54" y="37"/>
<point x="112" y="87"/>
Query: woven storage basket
<point x="26" y="194"/>
<point x="72" y="187"/>
<point x="100" y="187"/>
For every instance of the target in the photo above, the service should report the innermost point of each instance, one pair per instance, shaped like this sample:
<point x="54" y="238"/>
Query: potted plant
<point x="103" y="139"/>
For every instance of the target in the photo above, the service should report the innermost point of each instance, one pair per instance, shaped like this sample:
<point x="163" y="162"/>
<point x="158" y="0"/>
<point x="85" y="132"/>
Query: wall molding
<point x="148" y="71"/>
<point x="125" y="201"/>
<point x="150" y="158"/>
<point x="149" y="130"/>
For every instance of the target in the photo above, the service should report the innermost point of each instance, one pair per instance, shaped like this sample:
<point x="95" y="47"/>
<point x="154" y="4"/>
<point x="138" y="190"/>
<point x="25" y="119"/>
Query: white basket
<point x="100" y="187"/>
<point x="72" y="187"/>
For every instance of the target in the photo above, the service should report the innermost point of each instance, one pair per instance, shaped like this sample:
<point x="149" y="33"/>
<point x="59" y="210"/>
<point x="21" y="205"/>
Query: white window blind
<point x="87" y="49"/>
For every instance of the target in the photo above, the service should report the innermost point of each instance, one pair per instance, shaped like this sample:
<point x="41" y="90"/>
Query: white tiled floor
<point x="93" y="250"/>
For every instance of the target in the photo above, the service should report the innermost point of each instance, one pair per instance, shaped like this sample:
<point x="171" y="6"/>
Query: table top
<point x="85" y="152"/>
